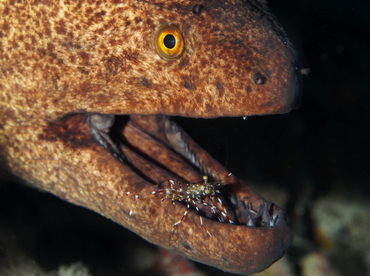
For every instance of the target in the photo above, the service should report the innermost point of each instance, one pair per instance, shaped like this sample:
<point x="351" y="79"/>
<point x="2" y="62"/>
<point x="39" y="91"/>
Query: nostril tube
<point x="258" y="78"/>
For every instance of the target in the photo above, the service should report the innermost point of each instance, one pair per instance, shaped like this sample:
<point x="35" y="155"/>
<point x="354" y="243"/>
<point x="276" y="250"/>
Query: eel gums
<point x="86" y="88"/>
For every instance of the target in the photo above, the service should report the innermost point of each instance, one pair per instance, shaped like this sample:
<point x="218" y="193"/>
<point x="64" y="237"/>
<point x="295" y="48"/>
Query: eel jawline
<point x="255" y="233"/>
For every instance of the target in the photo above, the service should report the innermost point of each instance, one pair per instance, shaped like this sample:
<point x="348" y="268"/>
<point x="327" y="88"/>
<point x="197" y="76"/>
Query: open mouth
<point x="147" y="174"/>
<point x="159" y="151"/>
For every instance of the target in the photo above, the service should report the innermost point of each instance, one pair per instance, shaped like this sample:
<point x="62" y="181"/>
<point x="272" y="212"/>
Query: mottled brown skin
<point x="61" y="61"/>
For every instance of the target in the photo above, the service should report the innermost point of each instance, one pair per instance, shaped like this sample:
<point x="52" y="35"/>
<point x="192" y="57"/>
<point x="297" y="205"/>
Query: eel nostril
<point x="258" y="78"/>
<point x="197" y="9"/>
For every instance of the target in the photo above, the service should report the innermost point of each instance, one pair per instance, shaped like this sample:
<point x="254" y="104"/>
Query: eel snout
<point x="217" y="220"/>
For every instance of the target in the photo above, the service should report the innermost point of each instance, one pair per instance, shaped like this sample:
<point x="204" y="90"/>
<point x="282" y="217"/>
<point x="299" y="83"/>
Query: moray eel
<point x="71" y="71"/>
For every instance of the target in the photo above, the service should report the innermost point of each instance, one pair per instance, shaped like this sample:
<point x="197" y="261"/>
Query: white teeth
<point x="176" y="138"/>
<point x="274" y="220"/>
<point x="250" y="221"/>
<point x="267" y="215"/>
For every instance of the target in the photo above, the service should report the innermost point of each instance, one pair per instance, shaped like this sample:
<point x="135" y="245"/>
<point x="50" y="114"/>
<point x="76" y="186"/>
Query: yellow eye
<point x="169" y="42"/>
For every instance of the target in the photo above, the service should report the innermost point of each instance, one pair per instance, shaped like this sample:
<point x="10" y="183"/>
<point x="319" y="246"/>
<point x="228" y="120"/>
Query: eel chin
<point x="156" y="149"/>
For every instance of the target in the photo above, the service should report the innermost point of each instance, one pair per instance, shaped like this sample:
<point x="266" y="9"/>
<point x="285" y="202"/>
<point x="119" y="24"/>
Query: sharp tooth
<point x="249" y="209"/>
<point x="274" y="220"/>
<point x="250" y="221"/>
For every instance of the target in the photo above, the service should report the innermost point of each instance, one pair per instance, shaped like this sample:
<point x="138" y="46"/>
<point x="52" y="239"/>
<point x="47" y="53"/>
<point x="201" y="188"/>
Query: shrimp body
<point x="204" y="198"/>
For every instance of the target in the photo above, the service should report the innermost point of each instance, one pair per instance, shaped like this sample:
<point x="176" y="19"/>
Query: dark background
<point x="327" y="138"/>
<point x="324" y="143"/>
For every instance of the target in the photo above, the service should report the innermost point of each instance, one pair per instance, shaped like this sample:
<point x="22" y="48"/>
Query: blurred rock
<point x="316" y="264"/>
<point x="342" y="222"/>
<point x="283" y="267"/>
<point x="341" y="228"/>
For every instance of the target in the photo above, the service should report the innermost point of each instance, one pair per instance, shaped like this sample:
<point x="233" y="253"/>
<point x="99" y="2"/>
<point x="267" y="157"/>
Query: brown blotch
<point x="186" y="246"/>
<point x="85" y="57"/>
<point x="238" y="41"/>
<point x="138" y="20"/>
<point x="183" y="62"/>
<point x="83" y="70"/>
<point x="118" y="10"/>
<point x="145" y="82"/>
<point x="149" y="22"/>
<point x="71" y="45"/>
<point x="111" y="22"/>
<point x="187" y="85"/>
<point x="219" y="85"/>
<point x="72" y="131"/>
<point x="114" y="64"/>
<point x="100" y="14"/>
<point x="215" y="29"/>
<point x="6" y="11"/>
<point x="60" y="28"/>
<point x="50" y="47"/>
<point x="220" y="89"/>
<point x="5" y="27"/>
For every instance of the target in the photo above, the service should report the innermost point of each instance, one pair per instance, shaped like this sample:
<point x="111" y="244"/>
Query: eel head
<point x="72" y="75"/>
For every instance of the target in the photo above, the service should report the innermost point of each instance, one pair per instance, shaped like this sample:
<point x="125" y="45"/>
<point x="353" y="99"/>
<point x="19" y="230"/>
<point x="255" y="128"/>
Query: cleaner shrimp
<point x="206" y="199"/>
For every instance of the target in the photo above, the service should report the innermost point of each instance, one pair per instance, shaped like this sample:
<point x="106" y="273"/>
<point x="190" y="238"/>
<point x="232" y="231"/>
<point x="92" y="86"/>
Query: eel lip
<point x="162" y="154"/>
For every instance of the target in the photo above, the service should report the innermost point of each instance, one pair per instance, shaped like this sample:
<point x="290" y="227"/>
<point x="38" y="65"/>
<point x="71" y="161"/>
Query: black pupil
<point x="169" y="41"/>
